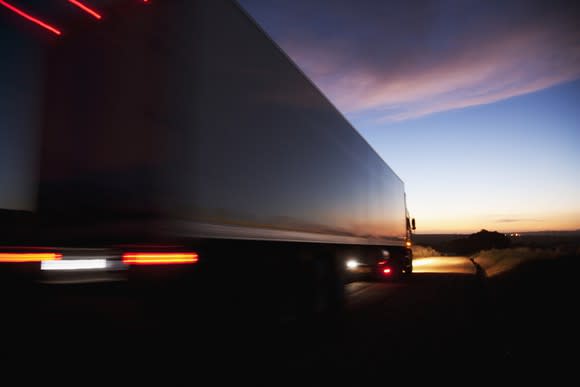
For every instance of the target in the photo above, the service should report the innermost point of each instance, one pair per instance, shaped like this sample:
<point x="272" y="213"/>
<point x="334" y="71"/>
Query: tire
<point x="313" y="290"/>
<point x="409" y="270"/>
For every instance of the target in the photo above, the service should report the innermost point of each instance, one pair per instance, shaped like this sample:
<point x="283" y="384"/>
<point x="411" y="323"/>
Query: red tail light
<point x="85" y="8"/>
<point x="387" y="271"/>
<point x="160" y="258"/>
<point x="30" y="17"/>
<point x="28" y="257"/>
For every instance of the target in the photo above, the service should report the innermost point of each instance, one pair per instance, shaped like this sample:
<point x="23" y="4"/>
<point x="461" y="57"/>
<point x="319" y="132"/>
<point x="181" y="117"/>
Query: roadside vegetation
<point x="424" y="251"/>
<point x="498" y="253"/>
<point x="498" y="261"/>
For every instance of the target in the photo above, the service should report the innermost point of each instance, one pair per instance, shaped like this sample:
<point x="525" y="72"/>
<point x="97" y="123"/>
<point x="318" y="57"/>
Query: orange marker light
<point x="28" y="257"/>
<point x="85" y="8"/>
<point x="31" y="18"/>
<point x="159" y="258"/>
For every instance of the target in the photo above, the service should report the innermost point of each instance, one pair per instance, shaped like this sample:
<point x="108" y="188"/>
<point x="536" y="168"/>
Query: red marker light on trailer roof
<point x="31" y="18"/>
<point x="29" y="257"/>
<point x="159" y="258"/>
<point x="85" y="8"/>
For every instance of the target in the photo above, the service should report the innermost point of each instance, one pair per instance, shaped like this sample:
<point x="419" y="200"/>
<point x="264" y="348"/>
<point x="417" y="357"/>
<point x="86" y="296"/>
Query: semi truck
<point x="179" y="143"/>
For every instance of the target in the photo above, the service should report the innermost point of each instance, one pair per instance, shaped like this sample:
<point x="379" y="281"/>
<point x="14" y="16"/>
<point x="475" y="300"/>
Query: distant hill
<point x="482" y="240"/>
<point x="461" y="244"/>
<point x="465" y="243"/>
<point x="548" y="239"/>
<point x="573" y="233"/>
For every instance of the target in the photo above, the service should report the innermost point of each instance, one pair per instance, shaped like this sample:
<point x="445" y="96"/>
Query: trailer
<point x="180" y="143"/>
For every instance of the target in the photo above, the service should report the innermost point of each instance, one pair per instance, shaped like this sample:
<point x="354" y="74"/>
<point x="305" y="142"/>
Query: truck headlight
<point x="352" y="264"/>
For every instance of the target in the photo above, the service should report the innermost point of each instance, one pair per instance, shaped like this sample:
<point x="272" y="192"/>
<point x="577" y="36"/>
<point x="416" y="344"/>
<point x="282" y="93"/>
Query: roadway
<point x="438" y="315"/>
<point x="447" y="314"/>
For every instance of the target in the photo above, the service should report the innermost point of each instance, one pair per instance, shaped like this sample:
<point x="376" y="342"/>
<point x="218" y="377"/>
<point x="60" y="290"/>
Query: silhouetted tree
<point x="482" y="240"/>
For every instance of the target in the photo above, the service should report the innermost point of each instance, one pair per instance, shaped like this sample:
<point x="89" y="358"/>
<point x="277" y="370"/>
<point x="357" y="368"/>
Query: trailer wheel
<point x="322" y="293"/>
<point x="409" y="270"/>
<point x="335" y="282"/>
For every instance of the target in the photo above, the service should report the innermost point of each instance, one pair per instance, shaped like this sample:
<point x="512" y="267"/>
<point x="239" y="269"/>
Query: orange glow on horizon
<point x="28" y="257"/>
<point x="159" y="258"/>
<point x="528" y="222"/>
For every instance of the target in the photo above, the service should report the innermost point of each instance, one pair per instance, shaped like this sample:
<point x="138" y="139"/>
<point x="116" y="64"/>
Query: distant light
<point x="382" y="262"/>
<point x="85" y="8"/>
<point x="387" y="271"/>
<point x="27" y="16"/>
<point x="352" y="264"/>
<point x="408" y="243"/>
<point x="28" y="257"/>
<point x="74" y="264"/>
<point x="159" y="258"/>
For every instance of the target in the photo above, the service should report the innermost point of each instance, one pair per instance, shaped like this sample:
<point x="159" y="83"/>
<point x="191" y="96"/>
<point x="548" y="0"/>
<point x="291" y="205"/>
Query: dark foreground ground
<point x="450" y="322"/>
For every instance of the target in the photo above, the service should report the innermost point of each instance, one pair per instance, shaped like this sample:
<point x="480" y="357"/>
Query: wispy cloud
<point x="404" y="61"/>
<point x="479" y="75"/>
<point x="517" y="220"/>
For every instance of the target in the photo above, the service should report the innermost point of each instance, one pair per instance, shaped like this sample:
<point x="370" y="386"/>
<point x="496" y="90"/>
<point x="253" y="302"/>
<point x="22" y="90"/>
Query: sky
<point x="474" y="104"/>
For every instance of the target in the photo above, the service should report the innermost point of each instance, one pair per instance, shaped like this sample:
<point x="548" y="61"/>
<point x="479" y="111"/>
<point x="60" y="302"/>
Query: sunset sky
<point x="475" y="104"/>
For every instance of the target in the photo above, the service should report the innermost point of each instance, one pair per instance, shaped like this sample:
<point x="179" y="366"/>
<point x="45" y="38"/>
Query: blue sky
<point x="508" y="165"/>
<point x="474" y="104"/>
